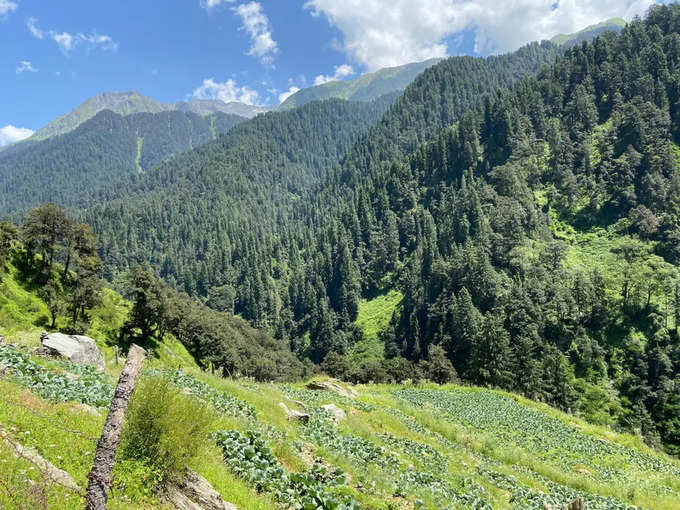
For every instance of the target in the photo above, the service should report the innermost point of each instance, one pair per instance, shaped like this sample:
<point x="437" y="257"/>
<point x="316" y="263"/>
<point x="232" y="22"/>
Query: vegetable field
<point x="416" y="446"/>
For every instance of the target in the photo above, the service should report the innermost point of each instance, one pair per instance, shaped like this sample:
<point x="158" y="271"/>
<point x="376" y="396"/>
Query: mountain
<point x="71" y="167"/>
<point x="589" y="33"/>
<point x="209" y="106"/>
<point x="122" y="103"/>
<point x="128" y="103"/>
<point x="365" y="88"/>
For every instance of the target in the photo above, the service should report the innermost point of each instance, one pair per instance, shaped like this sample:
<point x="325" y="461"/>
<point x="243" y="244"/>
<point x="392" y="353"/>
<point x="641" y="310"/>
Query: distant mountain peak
<point x="364" y="88"/>
<point x="130" y="102"/>
<point x="209" y="106"/>
<point x="123" y="103"/>
<point x="589" y="32"/>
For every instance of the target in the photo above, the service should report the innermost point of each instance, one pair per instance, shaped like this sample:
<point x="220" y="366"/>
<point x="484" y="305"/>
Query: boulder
<point x="76" y="348"/>
<point x="336" y="413"/>
<point x="334" y="387"/>
<point x="195" y="493"/>
<point x="294" y="415"/>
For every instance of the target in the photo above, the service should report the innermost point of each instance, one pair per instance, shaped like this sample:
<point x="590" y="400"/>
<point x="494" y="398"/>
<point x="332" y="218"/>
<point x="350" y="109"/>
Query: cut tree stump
<point x="99" y="478"/>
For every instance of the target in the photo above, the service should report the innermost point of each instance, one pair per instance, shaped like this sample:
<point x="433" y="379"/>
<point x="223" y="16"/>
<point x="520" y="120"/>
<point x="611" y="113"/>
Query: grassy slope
<point x="476" y="443"/>
<point x="374" y="316"/>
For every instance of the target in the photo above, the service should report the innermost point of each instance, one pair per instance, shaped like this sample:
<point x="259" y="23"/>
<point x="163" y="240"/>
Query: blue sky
<point x="56" y="54"/>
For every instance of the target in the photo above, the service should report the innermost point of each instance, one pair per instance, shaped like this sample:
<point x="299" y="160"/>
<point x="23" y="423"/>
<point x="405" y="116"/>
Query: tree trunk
<point x="99" y="477"/>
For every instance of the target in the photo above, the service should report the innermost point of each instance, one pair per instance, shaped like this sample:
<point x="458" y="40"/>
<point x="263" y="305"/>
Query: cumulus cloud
<point x="226" y="91"/>
<point x="25" y="66"/>
<point x="285" y="95"/>
<point x="255" y="22"/>
<point x="6" y="7"/>
<point x="67" y="42"/>
<point x="383" y="33"/>
<point x="342" y="71"/>
<point x="10" y="134"/>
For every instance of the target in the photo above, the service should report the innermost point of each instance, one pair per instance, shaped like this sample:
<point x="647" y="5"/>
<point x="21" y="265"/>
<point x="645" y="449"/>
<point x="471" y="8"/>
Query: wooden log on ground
<point x="96" y="496"/>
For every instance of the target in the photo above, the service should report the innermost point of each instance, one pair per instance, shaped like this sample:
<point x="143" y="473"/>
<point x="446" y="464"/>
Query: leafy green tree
<point x="149" y="303"/>
<point x="439" y="368"/>
<point x="8" y="235"/>
<point x="43" y="231"/>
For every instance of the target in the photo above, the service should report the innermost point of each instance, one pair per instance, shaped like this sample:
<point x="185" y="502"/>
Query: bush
<point x="164" y="428"/>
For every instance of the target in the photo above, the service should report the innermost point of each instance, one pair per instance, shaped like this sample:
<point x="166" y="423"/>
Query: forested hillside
<point x="536" y="240"/>
<point x="69" y="169"/>
<point x="532" y="233"/>
<point x="213" y="212"/>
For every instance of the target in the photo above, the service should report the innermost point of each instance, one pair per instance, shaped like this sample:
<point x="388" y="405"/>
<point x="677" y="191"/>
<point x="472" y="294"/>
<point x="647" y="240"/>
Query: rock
<point x="294" y="415"/>
<point x="195" y="493"/>
<point x="76" y="348"/>
<point x="336" y="413"/>
<point x="49" y="470"/>
<point x="299" y="404"/>
<point x="199" y="490"/>
<point x="87" y="409"/>
<point x="334" y="387"/>
<point x="176" y="499"/>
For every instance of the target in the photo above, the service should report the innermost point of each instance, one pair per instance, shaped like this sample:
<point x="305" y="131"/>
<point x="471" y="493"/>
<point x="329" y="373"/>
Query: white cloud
<point x="10" y="134"/>
<point x="255" y="22"/>
<point x="209" y="4"/>
<point x="6" y="7"/>
<point x="25" y="66"/>
<point x="68" y="42"/>
<point x="383" y="33"/>
<point x="341" y="72"/>
<point x="65" y="41"/>
<point x="226" y="91"/>
<point x="32" y="24"/>
<point x="285" y="95"/>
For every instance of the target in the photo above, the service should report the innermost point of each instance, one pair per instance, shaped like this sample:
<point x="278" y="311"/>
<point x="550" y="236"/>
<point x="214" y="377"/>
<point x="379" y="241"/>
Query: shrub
<point x="164" y="428"/>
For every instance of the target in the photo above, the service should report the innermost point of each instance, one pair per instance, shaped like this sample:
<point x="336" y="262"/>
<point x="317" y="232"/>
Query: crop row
<point x="539" y="433"/>
<point x="522" y="497"/>
<point x="249" y="457"/>
<point x="318" y="397"/>
<point x="223" y="402"/>
<point x="406" y="480"/>
<point x="78" y="383"/>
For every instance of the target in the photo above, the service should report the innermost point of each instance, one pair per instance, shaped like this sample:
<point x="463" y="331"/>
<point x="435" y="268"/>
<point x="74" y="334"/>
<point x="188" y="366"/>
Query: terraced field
<point x="398" y="447"/>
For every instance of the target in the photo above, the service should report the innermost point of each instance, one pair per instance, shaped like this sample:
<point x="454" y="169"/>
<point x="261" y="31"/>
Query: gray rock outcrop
<point x="195" y="493"/>
<point x="336" y="413"/>
<point x="75" y="348"/>
<point x="294" y="415"/>
<point x="334" y="387"/>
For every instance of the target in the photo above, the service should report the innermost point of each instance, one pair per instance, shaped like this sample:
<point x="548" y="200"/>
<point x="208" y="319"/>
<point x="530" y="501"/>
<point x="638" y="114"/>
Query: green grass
<point x="20" y="308"/>
<point x="374" y="316"/>
<point x="138" y="157"/>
